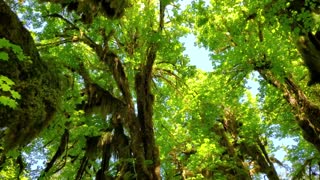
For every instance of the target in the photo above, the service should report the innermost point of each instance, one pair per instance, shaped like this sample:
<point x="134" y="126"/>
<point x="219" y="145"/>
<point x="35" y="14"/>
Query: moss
<point x="40" y="91"/>
<point x="37" y="81"/>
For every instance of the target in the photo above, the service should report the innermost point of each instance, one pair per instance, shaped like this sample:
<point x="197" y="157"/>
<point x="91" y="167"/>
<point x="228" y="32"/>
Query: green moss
<point x="40" y="86"/>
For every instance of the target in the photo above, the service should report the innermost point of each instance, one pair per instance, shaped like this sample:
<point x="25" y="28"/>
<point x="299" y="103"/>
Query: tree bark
<point x="37" y="83"/>
<point x="307" y="114"/>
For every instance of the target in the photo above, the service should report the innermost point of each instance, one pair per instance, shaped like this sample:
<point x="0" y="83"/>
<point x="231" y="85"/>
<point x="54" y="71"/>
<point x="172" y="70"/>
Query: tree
<point x="264" y="37"/>
<point x="103" y="89"/>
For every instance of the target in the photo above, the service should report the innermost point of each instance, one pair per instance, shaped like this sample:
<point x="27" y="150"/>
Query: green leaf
<point x="5" y="79"/>
<point x="4" y="43"/>
<point x="16" y="49"/>
<point x="15" y="95"/>
<point x="5" y="87"/>
<point x="4" y="56"/>
<point x="8" y="102"/>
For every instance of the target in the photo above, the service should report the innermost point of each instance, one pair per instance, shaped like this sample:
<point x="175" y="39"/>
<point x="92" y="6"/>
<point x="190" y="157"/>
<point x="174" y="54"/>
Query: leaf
<point x="15" y="95"/>
<point x="8" y="102"/>
<point x="16" y="49"/>
<point x="6" y="80"/>
<point x="5" y="87"/>
<point x="4" y="56"/>
<point x="4" y="43"/>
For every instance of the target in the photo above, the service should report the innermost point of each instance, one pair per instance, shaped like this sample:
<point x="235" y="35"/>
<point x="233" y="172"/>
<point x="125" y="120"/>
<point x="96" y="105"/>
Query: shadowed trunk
<point x="35" y="80"/>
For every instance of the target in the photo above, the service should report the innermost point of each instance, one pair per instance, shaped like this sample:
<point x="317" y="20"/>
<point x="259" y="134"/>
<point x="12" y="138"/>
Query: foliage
<point x="5" y="86"/>
<point x="16" y="49"/>
<point x="113" y="96"/>
<point x="5" y="82"/>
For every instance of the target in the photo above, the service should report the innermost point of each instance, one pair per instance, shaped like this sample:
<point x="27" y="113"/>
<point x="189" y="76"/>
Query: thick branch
<point x="99" y="98"/>
<point x="61" y="149"/>
<point x="306" y="113"/>
<point x="117" y="69"/>
<point x="130" y="120"/>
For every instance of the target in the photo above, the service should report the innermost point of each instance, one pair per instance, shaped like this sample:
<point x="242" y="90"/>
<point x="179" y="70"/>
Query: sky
<point x="198" y="56"/>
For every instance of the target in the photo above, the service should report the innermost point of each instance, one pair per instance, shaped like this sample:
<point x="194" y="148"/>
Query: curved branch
<point x="83" y="36"/>
<point x="61" y="149"/>
<point x="116" y="66"/>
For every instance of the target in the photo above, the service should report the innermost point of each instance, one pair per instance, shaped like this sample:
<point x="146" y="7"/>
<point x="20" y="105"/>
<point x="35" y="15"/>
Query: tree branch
<point x="61" y="149"/>
<point x="83" y="36"/>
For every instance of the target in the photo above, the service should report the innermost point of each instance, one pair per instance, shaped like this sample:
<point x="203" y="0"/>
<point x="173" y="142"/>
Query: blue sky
<point x="198" y="56"/>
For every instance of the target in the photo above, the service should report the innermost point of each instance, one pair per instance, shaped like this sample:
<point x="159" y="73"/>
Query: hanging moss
<point x="89" y="9"/>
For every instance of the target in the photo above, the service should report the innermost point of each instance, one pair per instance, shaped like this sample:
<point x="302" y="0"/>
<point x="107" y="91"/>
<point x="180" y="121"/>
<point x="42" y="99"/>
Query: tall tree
<point x="264" y="37"/>
<point x="110" y="64"/>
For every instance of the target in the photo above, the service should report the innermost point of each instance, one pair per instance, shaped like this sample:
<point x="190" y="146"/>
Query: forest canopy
<point x="104" y="89"/>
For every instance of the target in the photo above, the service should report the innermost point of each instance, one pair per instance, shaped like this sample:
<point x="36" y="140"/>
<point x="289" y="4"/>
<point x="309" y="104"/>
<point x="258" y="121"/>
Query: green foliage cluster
<point x="6" y="83"/>
<point x="222" y="124"/>
<point x="5" y="86"/>
<point x="4" y="44"/>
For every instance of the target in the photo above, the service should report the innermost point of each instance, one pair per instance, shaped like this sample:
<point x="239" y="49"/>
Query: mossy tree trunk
<point x="39" y="87"/>
<point x="307" y="114"/>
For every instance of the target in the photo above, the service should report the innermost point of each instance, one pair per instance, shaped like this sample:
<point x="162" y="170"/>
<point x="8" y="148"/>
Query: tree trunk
<point x="307" y="114"/>
<point x="35" y="80"/>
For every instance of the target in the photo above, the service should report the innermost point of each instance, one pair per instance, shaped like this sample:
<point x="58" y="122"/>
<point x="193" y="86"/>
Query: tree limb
<point x="61" y="149"/>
